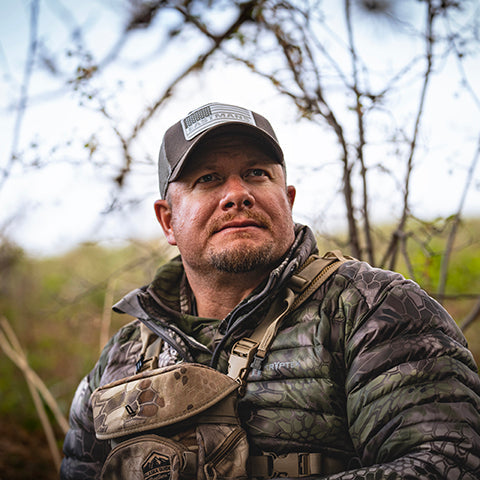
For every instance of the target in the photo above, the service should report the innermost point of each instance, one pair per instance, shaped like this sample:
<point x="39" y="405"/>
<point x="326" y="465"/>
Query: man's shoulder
<point x="117" y="359"/>
<point x="359" y="280"/>
<point x="126" y="333"/>
<point x="358" y="271"/>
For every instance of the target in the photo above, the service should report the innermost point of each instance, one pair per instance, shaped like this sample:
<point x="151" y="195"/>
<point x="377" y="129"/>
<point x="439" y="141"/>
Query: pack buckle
<point x="241" y="358"/>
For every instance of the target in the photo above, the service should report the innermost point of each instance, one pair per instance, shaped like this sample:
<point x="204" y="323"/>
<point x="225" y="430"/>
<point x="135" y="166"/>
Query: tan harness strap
<point x="151" y="348"/>
<point x="301" y="285"/>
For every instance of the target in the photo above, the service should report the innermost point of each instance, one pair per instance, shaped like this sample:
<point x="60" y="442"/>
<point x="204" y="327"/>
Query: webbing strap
<point x="151" y="348"/>
<point x="296" y="465"/>
<point x="250" y="352"/>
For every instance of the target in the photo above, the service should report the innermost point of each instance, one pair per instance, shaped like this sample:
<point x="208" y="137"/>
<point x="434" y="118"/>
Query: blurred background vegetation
<point x="60" y="307"/>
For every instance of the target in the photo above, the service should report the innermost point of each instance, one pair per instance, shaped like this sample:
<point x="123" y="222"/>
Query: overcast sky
<point x="50" y="209"/>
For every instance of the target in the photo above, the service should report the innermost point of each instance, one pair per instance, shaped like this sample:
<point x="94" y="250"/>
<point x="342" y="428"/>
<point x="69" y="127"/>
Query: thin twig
<point x="243" y="16"/>
<point x="19" y="359"/>
<point x="361" y="137"/>
<point x="392" y="249"/>
<point x="107" y="313"/>
<point x="456" y="222"/>
<point x="22" y="103"/>
<point x="408" y="263"/>
<point x="47" y="427"/>
<point x="318" y="104"/>
<point x="472" y="316"/>
<point x="17" y="355"/>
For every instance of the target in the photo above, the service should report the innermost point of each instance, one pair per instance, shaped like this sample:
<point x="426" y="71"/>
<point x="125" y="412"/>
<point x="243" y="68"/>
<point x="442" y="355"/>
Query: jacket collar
<point x="169" y="290"/>
<point x="166" y="304"/>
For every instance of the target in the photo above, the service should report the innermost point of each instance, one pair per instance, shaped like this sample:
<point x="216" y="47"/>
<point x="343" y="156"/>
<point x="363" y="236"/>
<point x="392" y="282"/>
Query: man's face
<point x="230" y="209"/>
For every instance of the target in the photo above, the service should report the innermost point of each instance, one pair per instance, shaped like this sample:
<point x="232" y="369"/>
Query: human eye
<point x="257" y="172"/>
<point x="206" y="178"/>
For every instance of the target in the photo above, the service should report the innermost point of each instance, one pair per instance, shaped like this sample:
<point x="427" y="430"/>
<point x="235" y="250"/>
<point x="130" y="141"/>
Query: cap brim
<point x="234" y="127"/>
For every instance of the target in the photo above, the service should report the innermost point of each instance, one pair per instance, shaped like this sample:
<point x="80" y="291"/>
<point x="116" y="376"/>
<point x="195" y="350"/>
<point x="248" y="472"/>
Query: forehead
<point x="214" y="149"/>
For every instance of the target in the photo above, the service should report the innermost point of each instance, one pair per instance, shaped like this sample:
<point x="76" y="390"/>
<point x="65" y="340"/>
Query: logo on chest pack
<point x="156" y="467"/>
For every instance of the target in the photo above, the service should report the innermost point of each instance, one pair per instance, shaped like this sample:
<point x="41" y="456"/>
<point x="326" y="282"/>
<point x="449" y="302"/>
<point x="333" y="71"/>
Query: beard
<point x="244" y="260"/>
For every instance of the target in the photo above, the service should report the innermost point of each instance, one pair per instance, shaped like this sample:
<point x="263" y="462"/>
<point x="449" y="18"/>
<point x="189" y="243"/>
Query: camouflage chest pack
<point x="174" y="423"/>
<point x="180" y="422"/>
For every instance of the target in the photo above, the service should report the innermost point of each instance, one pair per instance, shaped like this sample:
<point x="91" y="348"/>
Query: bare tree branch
<point x="455" y="224"/>
<point x="392" y="249"/>
<point x="468" y="181"/>
<point x="472" y="316"/>
<point x="24" y="91"/>
<point x="11" y="346"/>
<point x="318" y="105"/>
<point x="361" y="136"/>
<point x="244" y="15"/>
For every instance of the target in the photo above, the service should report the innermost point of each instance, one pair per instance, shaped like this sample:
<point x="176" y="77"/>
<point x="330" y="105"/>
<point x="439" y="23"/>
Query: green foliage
<point x="428" y="251"/>
<point x="56" y="305"/>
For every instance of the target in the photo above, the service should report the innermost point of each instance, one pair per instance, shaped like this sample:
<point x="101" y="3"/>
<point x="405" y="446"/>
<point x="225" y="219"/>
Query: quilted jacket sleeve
<point x="412" y="386"/>
<point x="84" y="455"/>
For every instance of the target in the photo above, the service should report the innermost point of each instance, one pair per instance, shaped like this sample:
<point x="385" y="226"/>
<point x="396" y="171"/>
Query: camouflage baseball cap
<point x="182" y="137"/>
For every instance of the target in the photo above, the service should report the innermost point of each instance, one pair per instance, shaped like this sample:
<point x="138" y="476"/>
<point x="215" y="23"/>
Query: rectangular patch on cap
<point x="214" y="114"/>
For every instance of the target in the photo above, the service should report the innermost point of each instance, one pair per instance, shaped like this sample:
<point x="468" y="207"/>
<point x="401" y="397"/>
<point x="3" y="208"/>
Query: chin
<point x="243" y="258"/>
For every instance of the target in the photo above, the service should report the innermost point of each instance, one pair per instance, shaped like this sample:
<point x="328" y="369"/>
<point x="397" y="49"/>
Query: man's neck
<point x="217" y="295"/>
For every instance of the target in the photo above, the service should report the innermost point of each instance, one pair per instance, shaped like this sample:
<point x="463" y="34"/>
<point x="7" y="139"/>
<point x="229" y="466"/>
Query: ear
<point x="164" y="217"/>
<point x="291" y="193"/>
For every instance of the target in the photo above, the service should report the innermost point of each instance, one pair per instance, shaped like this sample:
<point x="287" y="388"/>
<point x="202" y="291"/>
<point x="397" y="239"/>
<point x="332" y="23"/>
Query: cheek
<point x="283" y="221"/>
<point x="188" y="220"/>
<point x="280" y="207"/>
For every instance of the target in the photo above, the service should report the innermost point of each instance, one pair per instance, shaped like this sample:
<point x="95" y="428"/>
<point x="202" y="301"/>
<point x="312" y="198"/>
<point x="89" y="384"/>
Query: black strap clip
<point x="140" y="363"/>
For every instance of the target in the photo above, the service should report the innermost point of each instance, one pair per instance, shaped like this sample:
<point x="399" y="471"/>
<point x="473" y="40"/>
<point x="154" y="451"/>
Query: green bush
<point x="56" y="305"/>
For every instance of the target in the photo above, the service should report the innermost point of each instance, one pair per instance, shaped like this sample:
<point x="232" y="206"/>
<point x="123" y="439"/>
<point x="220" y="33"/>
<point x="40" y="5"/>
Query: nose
<point x="236" y="195"/>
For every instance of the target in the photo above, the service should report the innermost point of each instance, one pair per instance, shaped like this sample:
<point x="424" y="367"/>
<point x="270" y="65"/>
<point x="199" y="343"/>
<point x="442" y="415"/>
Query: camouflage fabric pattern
<point x="153" y="457"/>
<point x="370" y="370"/>
<point x="181" y="397"/>
<point x="157" y="398"/>
<point x="383" y="380"/>
<point x="147" y="457"/>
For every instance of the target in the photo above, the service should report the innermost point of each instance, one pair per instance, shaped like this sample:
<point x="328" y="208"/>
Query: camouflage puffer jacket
<point x="370" y="371"/>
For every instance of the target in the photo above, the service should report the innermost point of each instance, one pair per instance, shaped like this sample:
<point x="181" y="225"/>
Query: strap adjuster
<point x="296" y="465"/>
<point x="291" y="465"/>
<point x="140" y="363"/>
<point x="146" y="363"/>
<point x="240" y="358"/>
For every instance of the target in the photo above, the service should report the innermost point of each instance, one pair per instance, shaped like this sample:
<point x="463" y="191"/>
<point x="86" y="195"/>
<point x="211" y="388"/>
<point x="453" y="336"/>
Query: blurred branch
<point x="392" y="249"/>
<point x="107" y="313"/>
<point x="23" y="101"/>
<point x="455" y="224"/>
<point x="361" y="136"/>
<point x="472" y="316"/>
<point x="315" y="103"/>
<point x="12" y="348"/>
<point x="151" y="257"/>
<point x="244" y="15"/>
<point x="406" y="256"/>
<point x="468" y="181"/>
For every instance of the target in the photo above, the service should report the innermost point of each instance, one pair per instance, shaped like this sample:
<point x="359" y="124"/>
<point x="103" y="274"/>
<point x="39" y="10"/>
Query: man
<point x="369" y="378"/>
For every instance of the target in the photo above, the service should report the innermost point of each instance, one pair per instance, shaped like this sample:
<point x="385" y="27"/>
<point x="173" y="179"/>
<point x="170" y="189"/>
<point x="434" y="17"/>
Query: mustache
<point x="258" y="217"/>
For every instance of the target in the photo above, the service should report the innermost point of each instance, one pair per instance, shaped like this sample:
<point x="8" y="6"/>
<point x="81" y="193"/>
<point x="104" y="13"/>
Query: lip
<point x="239" y="224"/>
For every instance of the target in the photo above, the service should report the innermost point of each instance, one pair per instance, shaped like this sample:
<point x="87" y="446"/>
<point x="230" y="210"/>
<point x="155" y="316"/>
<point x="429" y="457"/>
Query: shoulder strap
<point x="151" y="348"/>
<point x="249" y="353"/>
